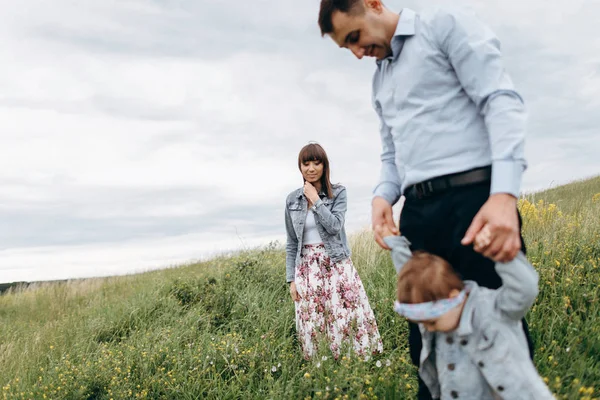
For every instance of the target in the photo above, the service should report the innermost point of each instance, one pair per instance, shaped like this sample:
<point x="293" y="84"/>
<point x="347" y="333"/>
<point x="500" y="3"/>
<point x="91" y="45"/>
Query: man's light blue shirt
<point x="446" y="104"/>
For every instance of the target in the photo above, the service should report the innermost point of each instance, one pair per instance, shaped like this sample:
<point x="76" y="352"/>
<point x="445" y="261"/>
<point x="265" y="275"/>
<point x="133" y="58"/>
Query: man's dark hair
<point x="328" y="7"/>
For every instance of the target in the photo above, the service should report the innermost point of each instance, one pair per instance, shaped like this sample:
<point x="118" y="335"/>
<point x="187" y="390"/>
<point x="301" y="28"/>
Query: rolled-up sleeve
<point x="474" y="53"/>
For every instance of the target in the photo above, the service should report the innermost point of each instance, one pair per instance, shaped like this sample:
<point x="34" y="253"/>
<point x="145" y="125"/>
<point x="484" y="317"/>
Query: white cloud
<point x="128" y="121"/>
<point x="106" y="259"/>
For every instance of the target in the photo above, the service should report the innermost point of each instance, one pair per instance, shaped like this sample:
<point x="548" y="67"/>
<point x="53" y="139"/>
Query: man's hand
<point x="383" y="231"/>
<point x="499" y="215"/>
<point x="294" y="292"/>
<point x="383" y="216"/>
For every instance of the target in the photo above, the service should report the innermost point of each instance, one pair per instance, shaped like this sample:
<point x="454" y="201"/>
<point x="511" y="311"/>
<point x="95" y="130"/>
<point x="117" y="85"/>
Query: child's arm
<point x="519" y="287"/>
<point x="400" y="250"/>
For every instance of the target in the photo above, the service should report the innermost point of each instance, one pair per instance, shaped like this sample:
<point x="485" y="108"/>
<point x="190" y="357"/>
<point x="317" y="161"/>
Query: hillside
<point x="224" y="329"/>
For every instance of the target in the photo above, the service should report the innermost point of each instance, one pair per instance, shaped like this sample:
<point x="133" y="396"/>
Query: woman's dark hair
<point x="314" y="152"/>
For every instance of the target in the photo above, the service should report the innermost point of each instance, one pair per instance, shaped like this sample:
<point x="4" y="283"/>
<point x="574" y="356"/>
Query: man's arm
<point x="388" y="191"/>
<point x="474" y="53"/>
<point x="389" y="182"/>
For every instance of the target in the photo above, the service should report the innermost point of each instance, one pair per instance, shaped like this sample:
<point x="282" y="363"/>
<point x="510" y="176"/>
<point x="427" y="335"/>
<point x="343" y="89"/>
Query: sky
<point x="138" y="134"/>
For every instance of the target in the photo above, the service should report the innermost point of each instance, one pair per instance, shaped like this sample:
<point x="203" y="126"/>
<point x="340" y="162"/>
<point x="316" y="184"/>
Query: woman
<point x="330" y="299"/>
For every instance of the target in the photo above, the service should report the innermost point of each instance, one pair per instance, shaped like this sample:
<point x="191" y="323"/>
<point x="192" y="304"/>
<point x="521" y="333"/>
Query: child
<point x="473" y="341"/>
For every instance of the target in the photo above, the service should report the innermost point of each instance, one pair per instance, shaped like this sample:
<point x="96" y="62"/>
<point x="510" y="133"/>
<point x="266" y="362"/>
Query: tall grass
<point x="224" y="329"/>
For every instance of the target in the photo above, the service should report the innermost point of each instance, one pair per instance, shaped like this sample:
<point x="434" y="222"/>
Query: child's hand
<point x="383" y="230"/>
<point x="483" y="238"/>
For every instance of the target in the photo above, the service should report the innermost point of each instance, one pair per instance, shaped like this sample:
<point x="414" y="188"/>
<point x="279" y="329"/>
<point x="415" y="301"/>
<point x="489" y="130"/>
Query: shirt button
<point x="449" y="340"/>
<point x="451" y="367"/>
<point x="454" y="394"/>
<point x="464" y="342"/>
<point x="481" y="364"/>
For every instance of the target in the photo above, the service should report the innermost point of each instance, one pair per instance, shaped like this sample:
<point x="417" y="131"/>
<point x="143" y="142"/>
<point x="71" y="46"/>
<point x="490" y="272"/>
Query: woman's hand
<point x="311" y="193"/>
<point x="294" y="292"/>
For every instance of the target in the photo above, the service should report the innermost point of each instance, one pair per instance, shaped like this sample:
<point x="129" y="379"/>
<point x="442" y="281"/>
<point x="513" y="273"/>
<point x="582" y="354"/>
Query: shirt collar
<point x="465" y="326"/>
<point x="406" y="23"/>
<point x="405" y="27"/>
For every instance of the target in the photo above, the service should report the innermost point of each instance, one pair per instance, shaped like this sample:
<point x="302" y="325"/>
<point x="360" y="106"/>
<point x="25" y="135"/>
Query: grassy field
<point x="224" y="329"/>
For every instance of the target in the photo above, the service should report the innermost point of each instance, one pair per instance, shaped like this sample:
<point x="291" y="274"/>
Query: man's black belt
<point x="439" y="184"/>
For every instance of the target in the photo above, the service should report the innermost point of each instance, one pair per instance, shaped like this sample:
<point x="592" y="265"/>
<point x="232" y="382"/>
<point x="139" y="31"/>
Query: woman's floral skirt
<point x="333" y="308"/>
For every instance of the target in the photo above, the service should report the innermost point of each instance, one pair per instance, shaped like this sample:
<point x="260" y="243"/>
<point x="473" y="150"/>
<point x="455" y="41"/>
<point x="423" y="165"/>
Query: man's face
<point x="363" y="33"/>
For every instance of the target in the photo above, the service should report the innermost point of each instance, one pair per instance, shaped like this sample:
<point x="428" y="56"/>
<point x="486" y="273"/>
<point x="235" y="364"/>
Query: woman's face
<point x="312" y="171"/>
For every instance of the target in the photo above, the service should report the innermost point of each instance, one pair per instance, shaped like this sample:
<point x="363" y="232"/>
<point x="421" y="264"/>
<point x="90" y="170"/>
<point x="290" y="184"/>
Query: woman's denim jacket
<point x="329" y="216"/>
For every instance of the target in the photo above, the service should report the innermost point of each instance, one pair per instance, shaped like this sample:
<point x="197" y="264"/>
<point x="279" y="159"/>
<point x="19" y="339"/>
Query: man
<point x="452" y="128"/>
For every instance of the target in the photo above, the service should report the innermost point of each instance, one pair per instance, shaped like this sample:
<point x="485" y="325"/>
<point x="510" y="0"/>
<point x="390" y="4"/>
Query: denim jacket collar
<point x="300" y="193"/>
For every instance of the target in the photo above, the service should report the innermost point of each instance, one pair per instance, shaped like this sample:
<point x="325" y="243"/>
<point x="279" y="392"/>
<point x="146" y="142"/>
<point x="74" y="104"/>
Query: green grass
<point x="224" y="329"/>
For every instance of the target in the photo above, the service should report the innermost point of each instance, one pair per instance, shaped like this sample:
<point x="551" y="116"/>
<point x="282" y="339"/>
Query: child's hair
<point x="426" y="277"/>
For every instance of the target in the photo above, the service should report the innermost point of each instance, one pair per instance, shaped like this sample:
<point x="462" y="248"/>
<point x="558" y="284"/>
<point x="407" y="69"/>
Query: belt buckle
<point x="424" y="189"/>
